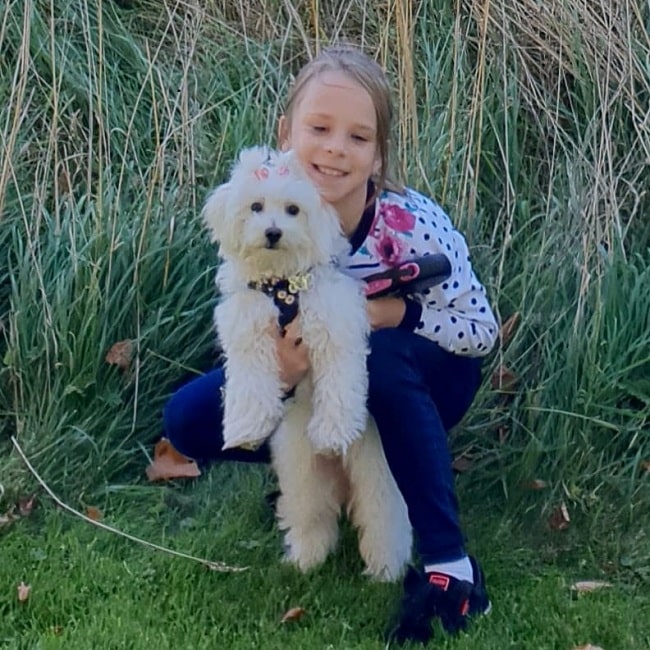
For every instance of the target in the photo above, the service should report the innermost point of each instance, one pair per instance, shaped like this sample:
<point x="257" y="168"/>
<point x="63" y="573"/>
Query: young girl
<point x="425" y="349"/>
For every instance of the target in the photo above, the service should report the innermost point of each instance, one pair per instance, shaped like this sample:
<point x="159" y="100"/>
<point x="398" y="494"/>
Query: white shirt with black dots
<point x="455" y="314"/>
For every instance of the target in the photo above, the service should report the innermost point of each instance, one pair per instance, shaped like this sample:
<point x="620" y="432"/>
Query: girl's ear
<point x="283" y="134"/>
<point x="376" y="168"/>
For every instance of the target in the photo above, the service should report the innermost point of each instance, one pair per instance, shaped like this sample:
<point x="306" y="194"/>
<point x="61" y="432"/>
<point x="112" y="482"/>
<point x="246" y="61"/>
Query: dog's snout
<point x="272" y="236"/>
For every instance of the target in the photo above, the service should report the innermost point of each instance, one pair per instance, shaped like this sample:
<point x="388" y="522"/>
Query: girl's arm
<point x="386" y="312"/>
<point x="455" y="313"/>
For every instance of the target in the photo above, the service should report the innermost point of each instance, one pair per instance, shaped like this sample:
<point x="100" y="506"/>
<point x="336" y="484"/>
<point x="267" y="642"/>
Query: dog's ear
<point x="214" y="211"/>
<point x="328" y="240"/>
<point x="252" y="159"/>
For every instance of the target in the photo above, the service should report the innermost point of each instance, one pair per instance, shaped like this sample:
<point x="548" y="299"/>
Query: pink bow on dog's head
<point x="264" y="163"/>
<point x="262" y="173"/>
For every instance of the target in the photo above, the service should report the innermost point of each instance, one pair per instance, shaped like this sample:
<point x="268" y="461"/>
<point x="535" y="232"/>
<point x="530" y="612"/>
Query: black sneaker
<point x="436" y="595"/>
<point x="479" y="602"/>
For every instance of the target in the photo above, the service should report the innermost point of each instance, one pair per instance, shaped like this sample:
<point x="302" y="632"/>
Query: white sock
<point x="459" y="569"/>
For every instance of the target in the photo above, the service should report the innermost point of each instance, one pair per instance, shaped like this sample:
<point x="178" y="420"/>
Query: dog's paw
<point x="310" y="549"/>
<point x="382" y="567"/>
<point x="244" y="438"/>
<point x="303" y="563"/>
<point x="381" y="574"/>
<point x="329" y="438"/>
<point x="252" y="445"/>
<point x="249" y="431"/>
<point x="325" y="446"/>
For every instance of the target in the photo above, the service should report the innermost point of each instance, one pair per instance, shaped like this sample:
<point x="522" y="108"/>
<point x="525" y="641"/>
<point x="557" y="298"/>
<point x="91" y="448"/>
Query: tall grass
<point x="528" y="122"/>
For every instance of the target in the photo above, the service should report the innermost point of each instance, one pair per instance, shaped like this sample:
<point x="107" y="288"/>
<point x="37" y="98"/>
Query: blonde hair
<point x="357" y="65"/>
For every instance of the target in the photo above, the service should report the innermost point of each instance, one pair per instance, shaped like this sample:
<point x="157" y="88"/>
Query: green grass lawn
<point x="93" y="589"/>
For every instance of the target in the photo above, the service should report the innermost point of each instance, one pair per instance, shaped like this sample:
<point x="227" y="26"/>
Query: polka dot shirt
<point x="455" y="314"/>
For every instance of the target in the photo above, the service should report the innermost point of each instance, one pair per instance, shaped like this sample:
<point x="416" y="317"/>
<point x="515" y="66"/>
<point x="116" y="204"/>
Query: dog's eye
<point x="292" y="209"/>
<point x="257" y="207"/>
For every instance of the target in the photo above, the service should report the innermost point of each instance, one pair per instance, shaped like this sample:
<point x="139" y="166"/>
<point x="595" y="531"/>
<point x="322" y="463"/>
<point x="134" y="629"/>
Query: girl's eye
<point x="318" y="128"/>
<point x="257" y="206"/>
<point x="292" y="209"/>
<point x="359" y="138"/>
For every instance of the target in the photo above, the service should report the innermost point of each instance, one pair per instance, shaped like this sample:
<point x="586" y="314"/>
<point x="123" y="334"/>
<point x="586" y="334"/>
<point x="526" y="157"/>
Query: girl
<point x="425" y="349"/>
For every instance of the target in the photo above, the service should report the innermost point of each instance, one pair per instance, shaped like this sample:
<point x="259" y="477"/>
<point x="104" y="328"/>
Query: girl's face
<point x="333" y="132"/>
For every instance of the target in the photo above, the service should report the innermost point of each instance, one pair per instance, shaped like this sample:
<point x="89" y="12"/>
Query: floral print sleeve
<point x="455" y="314"/>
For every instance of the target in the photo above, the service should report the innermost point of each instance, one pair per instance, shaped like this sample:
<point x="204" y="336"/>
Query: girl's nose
<point x="335" y="145"/>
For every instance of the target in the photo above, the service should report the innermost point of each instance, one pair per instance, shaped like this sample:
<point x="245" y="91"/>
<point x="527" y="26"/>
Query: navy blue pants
<point x="417" y="392"/>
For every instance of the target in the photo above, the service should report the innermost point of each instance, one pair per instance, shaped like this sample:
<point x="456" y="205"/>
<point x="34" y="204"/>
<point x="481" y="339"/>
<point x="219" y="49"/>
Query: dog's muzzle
<point x="273" y="236"/>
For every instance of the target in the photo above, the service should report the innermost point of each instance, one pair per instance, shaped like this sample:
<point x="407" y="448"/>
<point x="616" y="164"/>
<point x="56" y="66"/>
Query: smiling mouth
<point x="328" y="171"/>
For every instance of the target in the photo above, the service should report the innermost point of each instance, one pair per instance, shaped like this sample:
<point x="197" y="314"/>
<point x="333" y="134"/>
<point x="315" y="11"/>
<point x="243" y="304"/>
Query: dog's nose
<point x="272" y="236"/>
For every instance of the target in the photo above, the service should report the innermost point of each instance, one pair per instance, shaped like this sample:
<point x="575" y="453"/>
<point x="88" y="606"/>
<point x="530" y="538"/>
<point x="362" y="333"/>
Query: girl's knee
<point x="174" y="414"/>
<point x="194" y="410"/>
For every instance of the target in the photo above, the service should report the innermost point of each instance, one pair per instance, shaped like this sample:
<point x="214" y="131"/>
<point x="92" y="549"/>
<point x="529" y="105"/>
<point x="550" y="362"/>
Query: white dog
<point x="280" y="245"/>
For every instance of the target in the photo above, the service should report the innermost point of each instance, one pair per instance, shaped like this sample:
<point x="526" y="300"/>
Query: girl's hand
<point x="292" y="353"/>
<point x="385" y="312"/>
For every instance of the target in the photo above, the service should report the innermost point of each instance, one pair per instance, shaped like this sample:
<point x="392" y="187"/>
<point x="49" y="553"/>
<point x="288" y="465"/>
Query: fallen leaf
<point x="168" y="463"/>
<point x="23" y="592"/>
<point x="120" y="354"/>
<point x="8" y="518"/>
<point x="508" y="328"/>
<point x="585" y="586"/>
<point x="559" y="518"/>
<point x="587" y="646"/>
<point x="56" y="630"/>
<point x="504" y="380"/>
<point x="93" y="513"/>
<point x="293" y="614"/>
<point x="645" y="466"/>
<point x="26" y="505"/>
<point x="462" y="464"/>
<point x="535" y="484"/>
<point x="5" y="521"/>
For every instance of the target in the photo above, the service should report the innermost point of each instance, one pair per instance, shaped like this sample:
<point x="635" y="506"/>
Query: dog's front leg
<point x="335" y="328"/>
<point x="252" y="405"/>
<point x="339" y="399"/>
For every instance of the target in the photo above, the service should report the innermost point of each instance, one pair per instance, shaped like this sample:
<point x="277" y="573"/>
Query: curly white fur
<point x="270" y="222"/>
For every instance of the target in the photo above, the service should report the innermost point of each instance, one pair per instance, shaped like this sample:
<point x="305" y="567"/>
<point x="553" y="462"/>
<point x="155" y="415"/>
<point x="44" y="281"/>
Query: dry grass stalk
<point x="19" y="106"/>
<point x="405" y="17"/>
<point x="557" y="48"/>
<point x="543" y="36"/>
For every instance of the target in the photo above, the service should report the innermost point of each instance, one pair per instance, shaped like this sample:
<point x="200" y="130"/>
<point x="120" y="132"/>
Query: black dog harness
<point x="285" y="293"/>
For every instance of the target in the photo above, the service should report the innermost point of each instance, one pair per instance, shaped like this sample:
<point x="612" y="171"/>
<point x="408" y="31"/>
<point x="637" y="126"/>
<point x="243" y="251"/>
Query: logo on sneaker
<point x="439" y="580"/>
